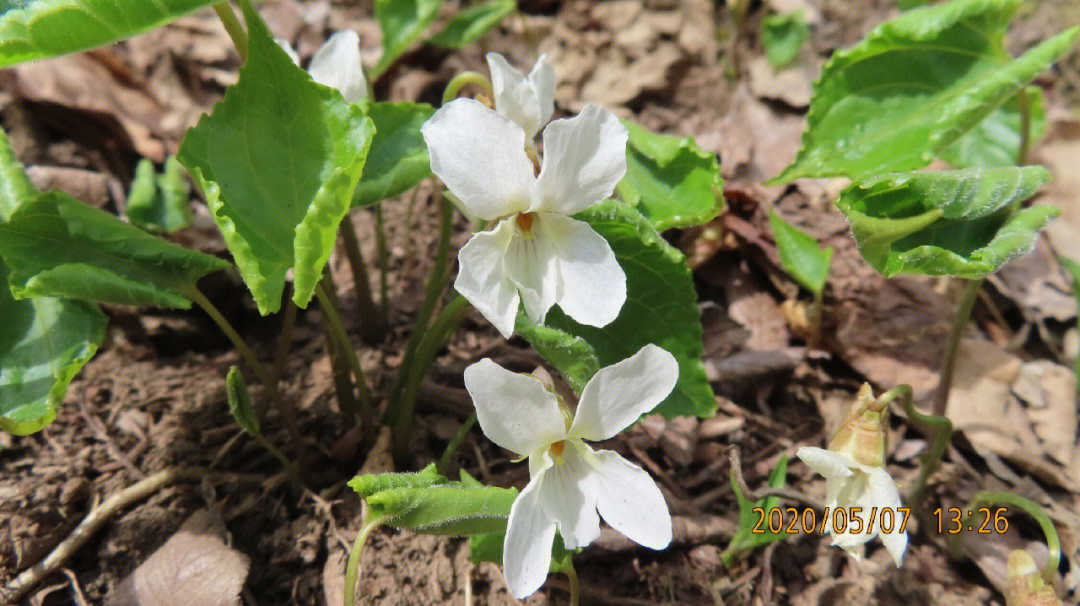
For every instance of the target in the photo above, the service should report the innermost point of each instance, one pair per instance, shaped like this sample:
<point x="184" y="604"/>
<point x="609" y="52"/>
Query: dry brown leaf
<point x="757" y="140"/>
<point x="193" y="568"/>
<point x="791" y="85"/>
<point x="1061" y="154"/>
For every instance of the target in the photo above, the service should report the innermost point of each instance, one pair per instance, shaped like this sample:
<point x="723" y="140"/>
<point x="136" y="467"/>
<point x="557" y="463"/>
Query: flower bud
<point x="862" y="434"/>
<point x="1025" y="586"/>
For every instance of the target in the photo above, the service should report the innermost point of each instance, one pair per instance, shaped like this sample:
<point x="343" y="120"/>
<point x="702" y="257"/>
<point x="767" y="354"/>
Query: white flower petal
<point x="630" y="502"/>
<point x="514" y="410"/>
<point x="592" y="285"/>
<point x="542" y="79"/>
<point x="480" y="156"/>
<point x="527" y="546"/>
<point x="584" y="157"/>
<point x="289" y="50"/>
<point x="884" y="495"/>
<point x="826" y="462"/>
<point x="337" y="65"/>
<point x="532" y="267"/>
<point x="617" y="395"/>
<point x="482" y="277"/>
<point x="569" y="495"/>
<point x="515" y="97"/>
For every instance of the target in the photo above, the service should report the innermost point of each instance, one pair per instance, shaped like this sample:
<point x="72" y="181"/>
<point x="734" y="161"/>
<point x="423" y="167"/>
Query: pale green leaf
<point x="783" y="36"/>
<point x="15" y="186"/>
<point x="39" y="29"/>
<point x="963" y="223"/>
<point x="800" y="254"/>
<point x="278" y="160"/>
<point x="402" y="22"/>
<point x="913" y="87"/>
<point x="660" y="308"/>
<point x="398" y="158"/>
<point x="240" y="402"/>
<point x="57" y="246"/>
<point x="369" y="484"/>
<point x="573" y="356"/>
<point x="996" y="140"/>
<point x="470" y="24"/>
<point x="159" y="203"/>
<point x="445" y="509"/>
<point x="670" y="180"/>
<point x="745" y="538"/>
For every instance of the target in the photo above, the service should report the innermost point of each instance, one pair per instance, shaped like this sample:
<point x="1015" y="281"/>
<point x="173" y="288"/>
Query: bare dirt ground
<point x="153" y="397"/>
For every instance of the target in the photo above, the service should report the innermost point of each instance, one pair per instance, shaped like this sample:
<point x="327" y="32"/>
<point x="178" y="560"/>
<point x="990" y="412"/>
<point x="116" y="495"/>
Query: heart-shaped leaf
<point x="996" y="140"/>
<point x="278" y="160"/>
<point x="573" y="356"/>
<point x="398" y="158"/>
<point x="962" y="223"/>
<point x="913" y="87"/>
<point x="402" y="22"/>
<point x="468" y="25"/>
<point x="801" y="256"/>
<point x="660" y="308"/>
<point x="670" y="180"/>
<point x="39" y="29"/>
<point x="159" y="204"/>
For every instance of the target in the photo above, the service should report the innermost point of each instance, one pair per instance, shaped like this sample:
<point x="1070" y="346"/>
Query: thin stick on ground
<point x="768" y="491"/>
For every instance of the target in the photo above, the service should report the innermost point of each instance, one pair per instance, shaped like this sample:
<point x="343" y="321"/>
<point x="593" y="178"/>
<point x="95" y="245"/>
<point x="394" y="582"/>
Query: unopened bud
<point x="1025" y="586"/>
<point x="862" y="435"/>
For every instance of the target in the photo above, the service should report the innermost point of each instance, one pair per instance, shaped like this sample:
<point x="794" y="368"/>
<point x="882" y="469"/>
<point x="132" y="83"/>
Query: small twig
<point x="29" y="578"/>
<point x="768" y="491"/>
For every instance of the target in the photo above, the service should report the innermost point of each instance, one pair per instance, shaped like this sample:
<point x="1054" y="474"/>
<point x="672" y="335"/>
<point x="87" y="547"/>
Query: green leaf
<point x="278" y="160"/>
<point x="660" y="308"/>
<point x="15" y="186"/>
<point x="913" y="87"/>
<point x="468" y="25"/>
<point x="962" y="223"/>
<point x="783" y="36"/>
<point x="39" y="29"/>
<point x="369" y="484"/>
<point x="745" y="538"/>
<point x="398" y="158"/>
<point x="402" y="22"/>
<point x="573" y="356"/>
<point x="43" y="344"/>
<point x="800" y="254"/>
<point x="240" y="402"/>
<point x="996" y="140"/>
<point x="445" y="509"/>
<point x="57" y="246"/>
<point x="1074" y="272"/>
<point x="159" y="204"/>
<point x="670" y="180"/>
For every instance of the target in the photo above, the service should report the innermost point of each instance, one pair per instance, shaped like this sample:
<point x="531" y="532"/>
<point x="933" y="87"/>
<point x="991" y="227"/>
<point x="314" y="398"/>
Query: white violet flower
<point x="336" y="64"/>
<point x="570" y="481"/>
<point x="856" y="480"/>
<point x="536" y="254"/>
<point x="530" y="101"/>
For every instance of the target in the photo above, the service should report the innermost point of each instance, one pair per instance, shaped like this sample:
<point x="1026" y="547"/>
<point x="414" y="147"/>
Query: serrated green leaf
<point x="278" y="160"/>
<point x="159" y="203"/>
<point x="39" y="29"/>
<point x="15" y="186"/>
<point x="996" y="140"/>
<point x="783" y="36"/>
<point x="745" y="538"/>
<point x="913" y="87"/>
<point x="369" y="484"/>
<point x="445" y="509"/>
<point x="240" y="402"/>
<point x="468" y="25"/>
<point x="573" y="356"/>
<point x="800" y="254"/>
<point x="398" y="158"/>
<point x="660" y="308"/>
<point x="402" y="22"/>
<point x="670" y="180"/>
<point x="962" y="223"/>
<point x="57" y="246"/>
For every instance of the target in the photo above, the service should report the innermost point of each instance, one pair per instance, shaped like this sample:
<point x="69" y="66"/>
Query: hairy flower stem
<point x="336" y="326"/>
<point x="1023" y="103"/>
<point x="987" y="498"/>
<point x="340" y="369"/>
<point x="434" y="339"/>
<point x="373" y="327"/>
<point x="288" y="323"/>
<point x="940" y="426"/>
<point x="383" y="260"/>
<point x="952" y="345"/>
<point x="455" y="441"/>
<point x="464" y="79"/>
<point x="352" y="568"/>
<point x="285" y="408"/>
<point x="571" y="575"/>
<point x="435" y="286"/>
<point x="233" y="28"/>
